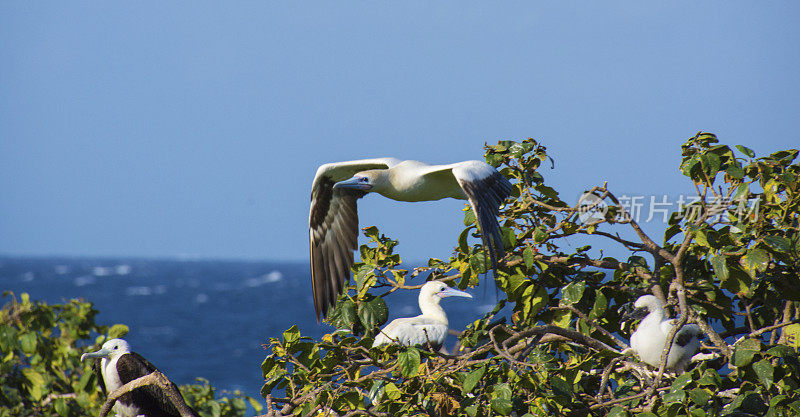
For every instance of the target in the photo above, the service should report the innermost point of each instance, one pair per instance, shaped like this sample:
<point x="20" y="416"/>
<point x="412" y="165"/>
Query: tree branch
<point x="153" y="378"/>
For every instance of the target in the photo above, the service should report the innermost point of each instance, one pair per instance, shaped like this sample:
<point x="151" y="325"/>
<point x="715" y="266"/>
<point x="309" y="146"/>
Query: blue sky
<point x="195" y="128"/>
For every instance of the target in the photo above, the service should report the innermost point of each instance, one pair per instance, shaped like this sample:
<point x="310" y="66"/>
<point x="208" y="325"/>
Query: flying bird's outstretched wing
<point x="333" y="228"/>
<point x="486" y="189"/>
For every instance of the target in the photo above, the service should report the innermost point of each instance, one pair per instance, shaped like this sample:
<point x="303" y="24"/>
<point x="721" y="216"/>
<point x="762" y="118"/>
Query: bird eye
<point x="363" y="179"/>
<point x="116" y="347"/>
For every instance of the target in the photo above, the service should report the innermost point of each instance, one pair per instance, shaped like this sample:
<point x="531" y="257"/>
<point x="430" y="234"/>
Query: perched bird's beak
<point x="102" y="353"/>
<point x="452" y="292"/>
<point x="356" y="182"/>
<point x="631" y="313"/>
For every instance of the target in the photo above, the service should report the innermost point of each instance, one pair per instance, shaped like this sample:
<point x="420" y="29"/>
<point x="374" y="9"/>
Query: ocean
<point x="202" y="318"/>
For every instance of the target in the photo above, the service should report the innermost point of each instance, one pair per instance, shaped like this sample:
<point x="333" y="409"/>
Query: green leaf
<point x="742" y="192"/>
<point x="681" y="381"/>
<point x="675" y="396"/>
<point x="35" y="383"/>
<point x="494" y="159"/>
<point x="600" y="305"/>
<point x="539" y="235"/>
<point x="527" y="256"/>
<point x="502" y="406"/>
<point x="28" y="343"/>
<point x="791" y="335"/>
<point x="711" y="164"/>
<point x="617" y="412"/>
<point x="779" y="243"/>
<point x="472" y="379"/>
<point x="533" y="302"/>
<point x="735" y="171"/>
<point x="117" y="331"/>
<point x="756" y="260"/>
<point x="720" y="267"/>
<point x="573" y="292"/>
<point x="372" y="233"/>
<point x="469" y="216"/>
<point x="562" y="318"/>
<point x="291" y="335"/>
<point x="560" y="386"/>
<point x="700" y="396"/>
<point x="61" y="407"/>
<point x="391" y="391"/>
<point x="781" y="351"/>
<point x="744" y="352"/>
<point x="463" y="245"/>
<point x="710" y="377"/>
<point x="409" y="361"/>
<point x="745" y="150"/>
<point x="764" y="371"/>
<point x="373" y="312"/>
<point x="689" y="164"/>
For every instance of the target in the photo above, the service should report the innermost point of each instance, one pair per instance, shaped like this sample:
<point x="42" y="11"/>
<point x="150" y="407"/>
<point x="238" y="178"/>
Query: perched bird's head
<point x="643" y="306"/>
<point x="438" y="290"/>
<point x="111" y="348"/>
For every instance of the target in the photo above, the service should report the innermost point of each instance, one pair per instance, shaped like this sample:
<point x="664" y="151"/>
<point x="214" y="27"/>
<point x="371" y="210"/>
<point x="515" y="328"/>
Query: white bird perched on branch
<point x="115" y="365"/>
<point x="333" y="218"/>
<point x="430" y="327"/>
<point x="650" y="337"/>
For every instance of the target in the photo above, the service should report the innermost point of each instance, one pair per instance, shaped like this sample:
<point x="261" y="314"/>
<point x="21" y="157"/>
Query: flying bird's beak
<point x="354" y="182"/>
<point x="452" y="292"/>
<point x="102" y="353"/>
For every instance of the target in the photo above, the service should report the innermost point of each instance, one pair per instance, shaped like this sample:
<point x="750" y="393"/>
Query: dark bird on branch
<point x="115" y="365"/>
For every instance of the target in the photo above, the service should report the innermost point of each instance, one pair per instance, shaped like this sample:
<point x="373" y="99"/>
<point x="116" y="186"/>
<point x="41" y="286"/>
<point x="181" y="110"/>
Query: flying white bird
<point x="115" y="365"/>
<point x="333" y="218"/>
<point x="650" y="337"/>
<point x="428" y="327"/>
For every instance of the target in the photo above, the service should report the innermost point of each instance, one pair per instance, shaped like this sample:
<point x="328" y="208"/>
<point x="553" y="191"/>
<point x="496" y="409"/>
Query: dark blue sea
<point x="202" y="318"/>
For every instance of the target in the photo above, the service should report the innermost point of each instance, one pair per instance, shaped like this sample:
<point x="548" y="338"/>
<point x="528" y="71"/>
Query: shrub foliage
<point x="728" y="261"/>
<point x="41" y="373"/>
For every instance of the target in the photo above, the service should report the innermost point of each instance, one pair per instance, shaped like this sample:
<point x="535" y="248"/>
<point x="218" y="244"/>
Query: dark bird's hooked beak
<point x="102" y="353"/>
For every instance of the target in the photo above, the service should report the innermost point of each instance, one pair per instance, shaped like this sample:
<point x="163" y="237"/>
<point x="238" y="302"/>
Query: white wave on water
<point x="102" y="271"/>
<point x="201" y="298"/>
<point x="28" y="276"/>
<point x="269" y="278"/>
<point x="84" y="280"/>
<point x="122" y="269"/>
<point x="142" y="290"/>
<point x="62" y="269"/>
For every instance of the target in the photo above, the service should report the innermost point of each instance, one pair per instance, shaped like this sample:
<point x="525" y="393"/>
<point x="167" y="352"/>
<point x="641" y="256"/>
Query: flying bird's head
<point x="364" y="181"/>
<point x="111" y="348"/>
